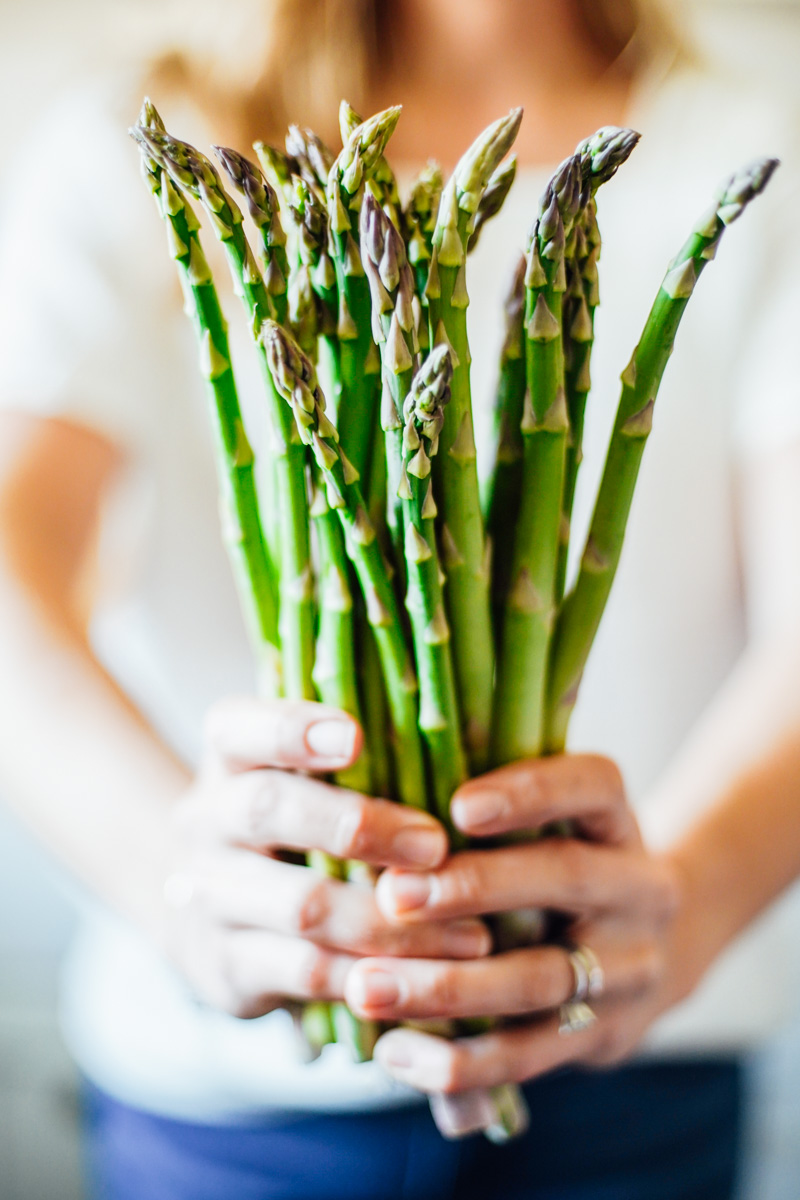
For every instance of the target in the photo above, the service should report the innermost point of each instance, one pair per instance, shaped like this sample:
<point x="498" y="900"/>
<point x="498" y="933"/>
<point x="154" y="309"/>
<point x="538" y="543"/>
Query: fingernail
<point x="419" y="846"/>
<point x="376" y="989"/>
<point x="332" y="739"/>
<point x="394" y="1050"/>
<point x="409" y="891"/>
<point x="478" y="808"/>
<point x="467" y="939"/>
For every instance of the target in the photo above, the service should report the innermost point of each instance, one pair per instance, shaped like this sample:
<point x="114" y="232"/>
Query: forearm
<point x="740" y="770"/>
<point x="77" y="761"/>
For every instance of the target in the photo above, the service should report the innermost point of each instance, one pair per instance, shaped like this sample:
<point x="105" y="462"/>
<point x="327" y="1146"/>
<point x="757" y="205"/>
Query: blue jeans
<point x="643" y="1132"/>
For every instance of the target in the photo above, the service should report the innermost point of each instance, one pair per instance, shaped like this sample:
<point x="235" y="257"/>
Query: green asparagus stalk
<point x="382" y="179"/>
<point x="455" y="468"/>
<point x="505" y="485"/>
<point x="295" y="380"/>
<point x="193" y="171"/>
<point x="311" y="158"/>
<point x="518" y="727"/>
<point x="412" y="415"/>
<point x="360" y="364"/>
<point x="253" y="570"/>
<point x="262" y="205"/>
<point x="439" y="721"/>
<point x="583" y="608"/>
<point x="601" y="157"/>
<point x="493" y="198"/>
<point x="419" y="222"/>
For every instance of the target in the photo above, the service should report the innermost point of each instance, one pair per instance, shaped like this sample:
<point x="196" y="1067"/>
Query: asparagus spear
<point x="419" y="221"/>
<point x="312" y="158"/>
<point x="382" y="178"/>
<point x="518" y="725"/>
<point x="601" y="157"/>
<point x="253" y="571"/>
<point x="423" y="413"/>
<point x="583" y="608"/>
<point x="455" y="470"/>
<point x="262" y="205"/>
<point x="505" y="485"/>
<point x="360" y="365"/>
<point x="295" y="380"/>
<point x="493" y="198"/>
<point x="193" y="171"/>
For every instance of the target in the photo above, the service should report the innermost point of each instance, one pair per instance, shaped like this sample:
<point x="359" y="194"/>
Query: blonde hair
<point x="265" y="62"/>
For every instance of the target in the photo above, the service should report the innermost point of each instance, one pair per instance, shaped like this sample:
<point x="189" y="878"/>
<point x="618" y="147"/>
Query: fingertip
<point x="333" y="739"/>
<point x="479" y="812"/>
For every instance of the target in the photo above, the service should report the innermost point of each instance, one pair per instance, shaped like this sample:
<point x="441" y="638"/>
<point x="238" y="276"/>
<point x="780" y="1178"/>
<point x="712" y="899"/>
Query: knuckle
<point x="465" y="883"/>
<point x="443" y="990"/>
<point x="354" y="827"/>
<point x="314" y="972"/>
<point x="578" y="864"/>
<point x="262" y="794"/>
<point x="312" y="908"/>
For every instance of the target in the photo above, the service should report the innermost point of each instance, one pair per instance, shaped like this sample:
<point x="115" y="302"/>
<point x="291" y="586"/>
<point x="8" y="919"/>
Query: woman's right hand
<point x="250" y="931"/>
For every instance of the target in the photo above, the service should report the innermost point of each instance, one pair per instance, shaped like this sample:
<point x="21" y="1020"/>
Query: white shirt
<point x="92" y="330"/>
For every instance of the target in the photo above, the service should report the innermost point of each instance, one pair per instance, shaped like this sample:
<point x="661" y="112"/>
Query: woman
<point x="187" y="1100"/>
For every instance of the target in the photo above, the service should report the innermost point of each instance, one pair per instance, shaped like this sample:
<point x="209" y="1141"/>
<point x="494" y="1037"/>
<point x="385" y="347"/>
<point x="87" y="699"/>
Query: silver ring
<point x="589" y="976"/>
<point x="574" y="1017"/>
<point x="596" y="976"/>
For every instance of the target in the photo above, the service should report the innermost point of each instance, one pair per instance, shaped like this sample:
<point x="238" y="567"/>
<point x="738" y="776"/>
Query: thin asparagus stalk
<point x="518" y="726"/>
<point x="493" y="198"/>
<point x="601" y="157"/>
<point x="505" y="486"/>
<point x="382" y="178"/>
<point x="295" y="380"/>
<point x="193" y="171"/>
<point x="262" y="205"/>
<point x="455" y="468"/>
<point x="244" y="539"/>
<point x="419" y="221"/>
<point x="412" y="416"/>
<point x="360" y="364"/>
<point x="423" y="413"/>
<point x="312" y="158"/>
<point x="335" y="671"/>
<point x="583" y="608"/>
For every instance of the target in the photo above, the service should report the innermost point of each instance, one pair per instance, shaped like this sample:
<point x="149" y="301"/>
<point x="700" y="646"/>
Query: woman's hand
<point x="622" y="901"/>
<point x="249" y="930"/>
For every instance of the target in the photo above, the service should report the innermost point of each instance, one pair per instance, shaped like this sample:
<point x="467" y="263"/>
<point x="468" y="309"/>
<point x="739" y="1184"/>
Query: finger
<point x="432" y="1064"/>
<point x="262" y="968"/>
<point x="269" y="809"/>
<point x="243" y="732"/>
<point x="525" y="981"/>
<point x="558" y="873"/>
<point x="585" y="789"/>
<point x="296" y="901"/>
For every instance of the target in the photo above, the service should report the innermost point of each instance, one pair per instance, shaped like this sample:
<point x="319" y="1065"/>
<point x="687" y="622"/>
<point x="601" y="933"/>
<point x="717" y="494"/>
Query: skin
<point x="250" y="931"/>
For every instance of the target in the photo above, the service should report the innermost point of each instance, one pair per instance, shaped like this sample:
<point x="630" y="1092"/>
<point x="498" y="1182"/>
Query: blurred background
<point x="43" y="45"/>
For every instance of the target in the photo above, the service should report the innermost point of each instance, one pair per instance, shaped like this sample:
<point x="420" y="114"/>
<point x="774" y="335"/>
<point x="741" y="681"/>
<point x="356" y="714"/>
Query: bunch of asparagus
<point x="369" y="576"/>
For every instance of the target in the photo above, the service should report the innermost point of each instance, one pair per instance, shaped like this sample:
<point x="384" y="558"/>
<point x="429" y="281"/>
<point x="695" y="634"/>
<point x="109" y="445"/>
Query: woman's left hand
<point x="624" y="904"/>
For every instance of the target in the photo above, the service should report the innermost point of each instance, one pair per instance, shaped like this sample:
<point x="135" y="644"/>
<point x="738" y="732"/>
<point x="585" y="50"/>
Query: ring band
<point x="590" y="979"/>
<point x="575" y="1016"/>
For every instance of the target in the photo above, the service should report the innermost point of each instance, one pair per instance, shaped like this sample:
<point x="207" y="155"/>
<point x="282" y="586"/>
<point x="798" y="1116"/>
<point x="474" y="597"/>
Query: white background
<point x="42" y="44"/>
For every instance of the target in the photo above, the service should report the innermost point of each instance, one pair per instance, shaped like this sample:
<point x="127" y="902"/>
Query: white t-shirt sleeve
<point x="75" y="296"/>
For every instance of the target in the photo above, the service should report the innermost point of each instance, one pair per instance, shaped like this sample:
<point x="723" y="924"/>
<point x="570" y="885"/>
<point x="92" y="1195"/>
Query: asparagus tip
<point x="475" y="168"/>
<point x="603" y="153"/>
<point x="149" y="116"/>
<point x="744" y="185"/>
